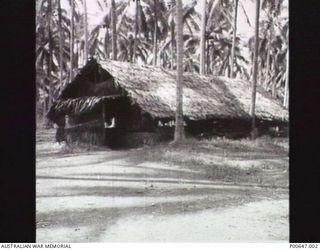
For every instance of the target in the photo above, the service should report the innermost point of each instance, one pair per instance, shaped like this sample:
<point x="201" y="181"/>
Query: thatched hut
<point x="114" y="102"/>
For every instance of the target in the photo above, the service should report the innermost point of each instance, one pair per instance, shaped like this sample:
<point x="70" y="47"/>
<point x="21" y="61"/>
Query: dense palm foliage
<point x="144" y="32"/>
<point x="49" y="49"/>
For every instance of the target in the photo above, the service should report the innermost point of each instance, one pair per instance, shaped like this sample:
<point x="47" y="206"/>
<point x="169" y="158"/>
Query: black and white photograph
<point x="162" y="121"/>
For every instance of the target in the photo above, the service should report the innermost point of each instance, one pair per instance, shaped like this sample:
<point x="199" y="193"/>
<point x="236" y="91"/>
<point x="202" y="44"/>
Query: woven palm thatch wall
<point x="153" y="89"/>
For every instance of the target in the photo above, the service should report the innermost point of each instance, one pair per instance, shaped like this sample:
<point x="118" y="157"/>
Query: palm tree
<point x="167" y="43"/>
<point x="219" y="42"/>
<point x="207" y="12"/>
<point x="85" y="31"/>
<point x="255" y="69"/>
<point x="52" y="28"/>
<point x="114" y="32"/>
<point x="216" y="42"/>
<point x="132" y="47"/>
<point x="100" y="47"/>
<point x="155" y="37"/>
<point x="203" y="36"/>
<point x="286" y="88"/>
<point x="118" y="28"/>
<point x="171" y="6"/>
<point x="72" y="40"/>
<point x="179" y="123"/>
<point x="213" y="8"/>
<point x="60" y="43"/>
<point x="136" y="23"/>
<point x="273" y="47"/>
<point x="49" y="68"/>
<point x="234" y="36"/>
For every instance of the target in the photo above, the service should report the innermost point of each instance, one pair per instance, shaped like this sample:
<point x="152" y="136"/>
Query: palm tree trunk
<point x="172" y="42"/>
<point x="163" y="60"/>
<point x="179" y="126"/>
<point x="76" y="65"/>
<point x="255" y="67"/>
<point x="259" y="79"/>
<point x="203" y="37"/>
<point x="49" y="65"/>
<point x="266" y="78"/>
<point x="212" y="59"/>
<point x="72" y="40"/>
<point x="135" y="31"/>
<point x="85" y="31"/>
<point x="207" y="56"/>
<point x="49" y="70"/>
<point x="60" y="44"/>
<point x="44" y="110"/>
<point x="213" y="8"/>
<point x="286" y="88"/>
<point x="274" y="89"/>
<point x="172" y="4"/>
<point x="114" y="32"/>
<point x="227" y="69"/>
<point x="222" y="69"/>
<point x="235" y="14"/>
<point x="155" y="38"/>
<point x="106" y="41"/>
<point x="131" y="45"/>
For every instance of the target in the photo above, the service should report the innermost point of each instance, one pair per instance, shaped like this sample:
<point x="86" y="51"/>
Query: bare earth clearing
<point x="210" y="191"/>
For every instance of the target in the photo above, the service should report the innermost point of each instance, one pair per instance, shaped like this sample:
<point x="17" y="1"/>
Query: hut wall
<point x="231" y="128"/>
<point x="130" y="118"/>
<point x="218" y="127"/>
<point x="132" y="127"/>
<point x="137" y="132"/>
<point x="95" y="115"/>
<point x="89" y="133"/>
<point x="273" y="128"/>
<point x="131" y="139"/>
<point x="165" y="133"/>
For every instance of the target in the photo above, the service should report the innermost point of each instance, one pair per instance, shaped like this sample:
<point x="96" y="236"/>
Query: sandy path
<point x="114" y="196"/>
<point x="264" y="221"/>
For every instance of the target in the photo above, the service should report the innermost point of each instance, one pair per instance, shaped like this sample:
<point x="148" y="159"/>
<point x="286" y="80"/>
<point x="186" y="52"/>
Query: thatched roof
<point x="79" y="106"/>
<point x="153" y="89"/>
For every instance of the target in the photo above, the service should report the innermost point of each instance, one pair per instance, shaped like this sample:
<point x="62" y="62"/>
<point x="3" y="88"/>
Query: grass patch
<point x="78" y="147"/>
<point x="261" y="161"/>
<point x="265" y="144"/>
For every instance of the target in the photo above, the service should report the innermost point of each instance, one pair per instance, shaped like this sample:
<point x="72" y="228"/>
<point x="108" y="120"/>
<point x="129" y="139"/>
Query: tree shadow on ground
<point x="118" y="191"/>
<point x="101" y="219"/>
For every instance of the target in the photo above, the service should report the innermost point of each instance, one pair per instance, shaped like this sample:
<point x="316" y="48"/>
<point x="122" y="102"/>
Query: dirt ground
<point x="233" y="192"/>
